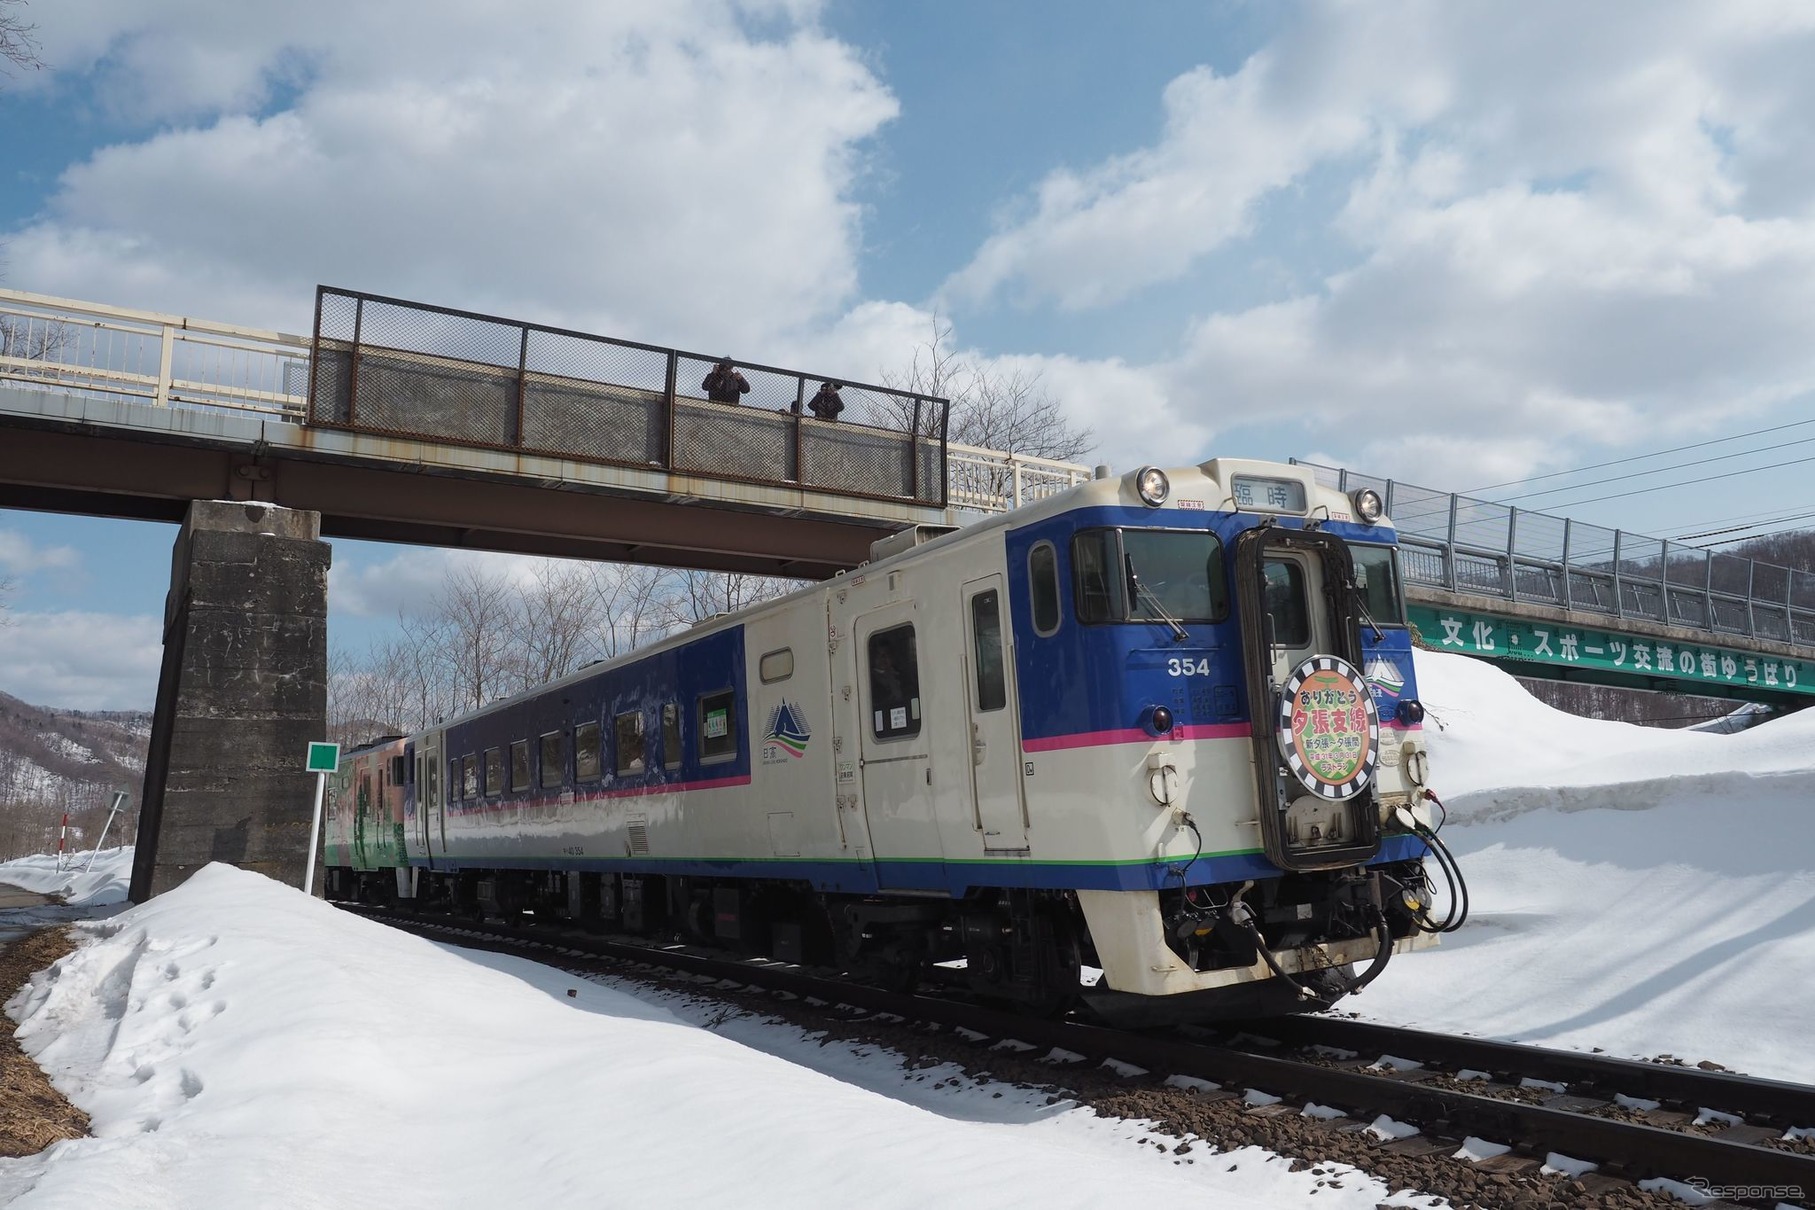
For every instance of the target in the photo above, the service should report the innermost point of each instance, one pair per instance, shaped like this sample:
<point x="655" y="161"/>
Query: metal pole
<point x="119" y="800"/>
<point x="1663" y="585"/>
<point x="1568" y="596"/>
<point x="1619" y="595"/>
<point x="1512" y="549"/>
<point x="1449" y="551"/>
<point x="321" y="789"/>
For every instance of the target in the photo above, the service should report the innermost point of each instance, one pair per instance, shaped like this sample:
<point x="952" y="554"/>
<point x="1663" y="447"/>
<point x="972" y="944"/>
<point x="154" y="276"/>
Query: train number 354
<point x="1188" y="667"/>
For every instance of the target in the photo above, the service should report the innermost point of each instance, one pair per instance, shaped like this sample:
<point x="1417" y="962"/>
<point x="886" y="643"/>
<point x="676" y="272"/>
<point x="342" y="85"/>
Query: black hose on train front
<point x="1446" y="861"/>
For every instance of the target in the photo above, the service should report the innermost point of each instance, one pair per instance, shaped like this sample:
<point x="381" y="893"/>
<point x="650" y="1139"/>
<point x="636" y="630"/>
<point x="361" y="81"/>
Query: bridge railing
<point x="167" y="360"/>
<point x="1461" y="544"/>
<point x="97" y="351"/>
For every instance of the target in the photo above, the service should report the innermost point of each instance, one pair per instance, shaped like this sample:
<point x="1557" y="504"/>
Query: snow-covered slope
<point x="1642" y="891"/>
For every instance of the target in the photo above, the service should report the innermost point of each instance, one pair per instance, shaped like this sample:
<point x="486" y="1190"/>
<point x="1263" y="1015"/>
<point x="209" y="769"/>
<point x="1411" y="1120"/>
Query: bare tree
<point x="479" y="610"/>
<point x="634" y="605"/>
<point x="555" y="619"/>
<point x="707" y="594"/>
<point x="18" y="43"/>
<point x="1009" y="411"/>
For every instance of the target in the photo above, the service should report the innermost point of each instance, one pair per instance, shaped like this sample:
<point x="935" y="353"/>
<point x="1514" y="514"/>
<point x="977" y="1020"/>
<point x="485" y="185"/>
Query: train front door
<point x="997" y="790"/>
<point x="894" y="746"/>
<point x="1294" y="593"/>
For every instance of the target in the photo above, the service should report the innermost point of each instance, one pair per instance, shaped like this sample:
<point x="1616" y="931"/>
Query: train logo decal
<point x="1329" y="727"/>
<point x="1387" y="682"/>
<point x="787" y="735"/>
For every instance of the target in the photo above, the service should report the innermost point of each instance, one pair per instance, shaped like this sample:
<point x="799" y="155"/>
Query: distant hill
<point x="53" y="761"/>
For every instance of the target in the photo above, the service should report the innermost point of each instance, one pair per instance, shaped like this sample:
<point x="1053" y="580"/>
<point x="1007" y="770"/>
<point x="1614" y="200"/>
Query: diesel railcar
<point x="1153" y="743"/>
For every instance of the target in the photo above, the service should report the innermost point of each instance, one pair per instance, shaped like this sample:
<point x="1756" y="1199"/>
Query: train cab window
<point x="986" y="638"/>
<point x="777" y="666"/>
<point x="586" y="762"/>
<point x="718" y="727"/>
<point x="469" y="777"/>
<point x="553" y="767"/>
<point x="894" y="684"/>
<point x="1043" y="587"/>
<point x="1283" y="589"/>
<point x="1149" y="575"/>
<point x="519" y="765"/>
<point x="494" y="772"/>
<point x="629" y="728"/>
<point x="400" y="770"/>
<point x="1377" y="579"/>
<point x="671" y="735"/>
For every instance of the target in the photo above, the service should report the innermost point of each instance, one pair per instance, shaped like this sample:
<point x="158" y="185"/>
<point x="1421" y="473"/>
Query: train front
<point x="1220" y="716"/>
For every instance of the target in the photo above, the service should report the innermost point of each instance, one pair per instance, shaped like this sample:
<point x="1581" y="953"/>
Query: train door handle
<point x="978" y="747"/>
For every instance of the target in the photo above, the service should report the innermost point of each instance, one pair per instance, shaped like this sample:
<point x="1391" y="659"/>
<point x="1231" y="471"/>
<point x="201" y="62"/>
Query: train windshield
<point x="1149" y="575"/>
<point x="1377" y="579"/>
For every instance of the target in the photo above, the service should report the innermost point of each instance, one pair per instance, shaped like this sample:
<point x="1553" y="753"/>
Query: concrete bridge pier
<point x="243" y="690"/>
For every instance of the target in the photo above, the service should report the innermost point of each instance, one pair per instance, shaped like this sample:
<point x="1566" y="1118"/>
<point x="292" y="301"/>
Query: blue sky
<point x="1456" y="243"/>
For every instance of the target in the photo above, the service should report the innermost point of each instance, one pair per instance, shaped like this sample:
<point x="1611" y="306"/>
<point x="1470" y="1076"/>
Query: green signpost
<point x="1617" y="658"/>
<point x="323" y="759"/>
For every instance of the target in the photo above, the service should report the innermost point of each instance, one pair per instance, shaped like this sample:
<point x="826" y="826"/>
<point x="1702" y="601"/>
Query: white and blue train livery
<point x="1163" y="727"/>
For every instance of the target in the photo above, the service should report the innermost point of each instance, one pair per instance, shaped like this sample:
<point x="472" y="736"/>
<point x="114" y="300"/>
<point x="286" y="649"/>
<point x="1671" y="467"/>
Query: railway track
<point x="1632" y="1120"/>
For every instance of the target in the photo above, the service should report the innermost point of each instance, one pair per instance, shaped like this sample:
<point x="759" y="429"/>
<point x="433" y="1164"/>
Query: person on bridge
<point x="826" y="405"/>
<point x="724" y="384"/>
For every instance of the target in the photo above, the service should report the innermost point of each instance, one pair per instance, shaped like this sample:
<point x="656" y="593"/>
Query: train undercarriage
<point x="1031" y="949"/>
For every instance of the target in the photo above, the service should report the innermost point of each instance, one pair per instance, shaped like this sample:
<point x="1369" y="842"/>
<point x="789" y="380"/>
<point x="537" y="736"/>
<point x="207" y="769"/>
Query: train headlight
<point x="1159" y="720"/>
<point x="1410" y="711"/>
<point x="1368" y="505"/>
<point x="1152" y="484"/>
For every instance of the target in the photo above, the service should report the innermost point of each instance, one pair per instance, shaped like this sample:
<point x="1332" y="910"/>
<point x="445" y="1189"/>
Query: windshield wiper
<point x="1179" y="634"/>
<point x="1361" y="605"/>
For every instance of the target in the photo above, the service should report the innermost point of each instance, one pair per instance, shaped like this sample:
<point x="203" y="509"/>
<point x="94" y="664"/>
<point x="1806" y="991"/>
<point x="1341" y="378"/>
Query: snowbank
<point x="239" y="1044"/>
<point x="1638" y="890"/>
<point x="103" y="883"/>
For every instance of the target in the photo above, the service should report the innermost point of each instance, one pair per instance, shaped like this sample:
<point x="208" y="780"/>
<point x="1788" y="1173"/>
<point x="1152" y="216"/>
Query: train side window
<point x="494" y="772"/>
<point x="986" y="638"/>
<point x="671" y="735"/>
<point x="586" y="763"/>
<point x="400" y="770"/>
<point x="1094" y="561"/>
<point x="1043" y="587"/>
<point x="553" y="767"/>
<point x="894" y="684"/>
<point x="519" y="765"/>
<point x="718" y="726"/>
<point x="629" y="729"/>
<point x="1283" y="590"/>
<point x="469" y="777"/>
<point x="453" y="779"/>
<point x="1377" y="579"/>
<point x="776" y="666"/>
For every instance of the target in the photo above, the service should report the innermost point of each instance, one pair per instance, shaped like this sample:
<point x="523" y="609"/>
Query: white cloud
<point x="82" y="661"/>
<point x="678" y="171"/>
<point x="1563" y="227"/>
<point x="19" y="555"/>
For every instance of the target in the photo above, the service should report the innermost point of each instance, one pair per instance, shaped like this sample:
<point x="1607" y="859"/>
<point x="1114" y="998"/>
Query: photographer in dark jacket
<point x="724" y="384"/>
<point x="826" y="405"/>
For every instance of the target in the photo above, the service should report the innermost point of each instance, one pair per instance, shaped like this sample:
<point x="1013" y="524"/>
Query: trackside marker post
<point x="119" y="800"/>
<point x="323" y="760"/>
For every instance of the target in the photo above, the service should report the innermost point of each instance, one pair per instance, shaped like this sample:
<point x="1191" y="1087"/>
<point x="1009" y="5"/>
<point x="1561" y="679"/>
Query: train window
<point x="586" y="763"/>
<point x="1283" y="589"/>
<point x="1149" y="575"/>
<point x="1377" y="579"/>
<point x="400" y="767"/>
<point x="453" y="780"/>
<point x="986" y="637"/>
<point x="433" y="771"/>
<point x="671" y="735"/>
<point x="494" y="772"/>
<point x="519" y="765"/>
<point x="1043" y="587"/>
<point x="718" y="726"/>
<point x="894" y="684"/>
<point x="777" y="666"/>
<point x="630" y="743"/>
<point x="553" y="767"/>
<point x="470" y="777"/>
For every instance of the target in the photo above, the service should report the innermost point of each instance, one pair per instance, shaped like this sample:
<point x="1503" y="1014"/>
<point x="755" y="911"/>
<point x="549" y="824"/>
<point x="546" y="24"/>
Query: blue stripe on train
<point x="952" y="877"/>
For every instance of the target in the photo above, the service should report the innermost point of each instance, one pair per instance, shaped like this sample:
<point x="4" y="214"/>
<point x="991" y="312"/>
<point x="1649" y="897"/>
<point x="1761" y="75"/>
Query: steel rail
<point x="1638" y="1151"/>
<point x="1730" y="1092"/>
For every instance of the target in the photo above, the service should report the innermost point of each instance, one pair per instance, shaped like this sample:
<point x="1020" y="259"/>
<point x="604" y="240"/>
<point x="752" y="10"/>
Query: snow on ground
<point x="1642" y="891"/>
<point x="83" y="883"/>
<point x="238" y="1044"/>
